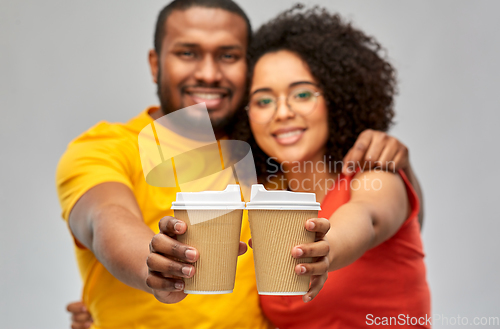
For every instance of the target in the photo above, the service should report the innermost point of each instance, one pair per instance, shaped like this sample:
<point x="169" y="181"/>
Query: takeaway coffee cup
<point x="213" y="221"/>
<point x="277" y="224"/>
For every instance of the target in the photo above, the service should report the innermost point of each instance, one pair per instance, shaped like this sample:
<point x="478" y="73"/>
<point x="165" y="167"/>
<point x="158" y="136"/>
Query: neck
<point x="220" y="134"/>
<point x="313" y="176"/>
<point x="181" y="127"/>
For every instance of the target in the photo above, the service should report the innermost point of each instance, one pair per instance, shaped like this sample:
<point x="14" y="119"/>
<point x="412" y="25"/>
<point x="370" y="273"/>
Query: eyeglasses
<point x="263" y="105"/>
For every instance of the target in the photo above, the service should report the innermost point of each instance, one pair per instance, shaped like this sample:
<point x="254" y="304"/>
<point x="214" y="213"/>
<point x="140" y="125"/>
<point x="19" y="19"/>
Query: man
<point x="199" y="56"/>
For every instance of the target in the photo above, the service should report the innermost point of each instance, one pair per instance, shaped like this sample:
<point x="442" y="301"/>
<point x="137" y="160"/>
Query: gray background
<point x="65" y="65"/>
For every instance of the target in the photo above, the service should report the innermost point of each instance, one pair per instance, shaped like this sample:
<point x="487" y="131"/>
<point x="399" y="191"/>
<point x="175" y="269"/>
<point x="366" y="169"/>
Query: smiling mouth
<point x="207" y="96"/>
<point x="289" y="137"/>
<point x="212" y="98"/>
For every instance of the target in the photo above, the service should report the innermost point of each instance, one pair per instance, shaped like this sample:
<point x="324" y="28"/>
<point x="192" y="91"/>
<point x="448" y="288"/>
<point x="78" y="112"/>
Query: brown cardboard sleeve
<point x="216" y="236"/>
<point x="274" y="234"/>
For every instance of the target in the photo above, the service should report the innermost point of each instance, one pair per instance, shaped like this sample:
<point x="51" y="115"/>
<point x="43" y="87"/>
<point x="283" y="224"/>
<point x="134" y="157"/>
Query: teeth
<point x="289" y="134"/>
<point x="207" y="95"/>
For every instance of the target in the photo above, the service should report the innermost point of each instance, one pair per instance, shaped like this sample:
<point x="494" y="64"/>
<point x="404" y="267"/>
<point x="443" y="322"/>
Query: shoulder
<point x="106" y="138"/>
<point x="375" y="180"/>
<point x="379" y="187"/>
<point x="109" y="144"/>
<point x="106" y="132"/>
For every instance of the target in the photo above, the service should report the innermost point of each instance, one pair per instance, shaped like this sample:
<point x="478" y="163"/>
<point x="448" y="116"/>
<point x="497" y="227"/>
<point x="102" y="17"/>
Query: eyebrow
<point x="293" y="84"/>
<point x="230" y="47"/>
<point x="195" y="45"/>
<point x="186" y="44"/>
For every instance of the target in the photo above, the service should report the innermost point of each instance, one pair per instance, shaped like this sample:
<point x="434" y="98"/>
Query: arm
<point x="368" y="219"/>
<point x="108" y="221"/>
<point x="377" y="149"/>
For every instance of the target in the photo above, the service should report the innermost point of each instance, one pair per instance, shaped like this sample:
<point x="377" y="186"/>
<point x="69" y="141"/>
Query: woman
<point x="316" y="83"/>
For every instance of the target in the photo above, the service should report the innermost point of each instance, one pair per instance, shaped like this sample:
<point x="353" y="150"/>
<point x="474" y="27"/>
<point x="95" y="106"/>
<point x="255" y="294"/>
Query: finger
<point x="172" y="226"/>
<point x="401" y="159"/>
<point x="316" y="249"/>
<point x="347" y="164"/>
<point x="378" y="145"/>
<point x="76" y="307"/>
<point x="168" y="267"/>
<point x="318" y="268"/>
<point x="169" y="297"/>
<point x="84" y="325"/>
<point x="81" y="325"/>
<point x="157" y="281"/>
<point x="317" y="283"/>
<point x="242" y="248"/>
<point x="250" y="242"/>
<point x="165" y="245"/>
<point x="319" y="225"/>
<point x="387" y="155"/>
<point x="358" y="151"/>
<point x="80" y="317"/>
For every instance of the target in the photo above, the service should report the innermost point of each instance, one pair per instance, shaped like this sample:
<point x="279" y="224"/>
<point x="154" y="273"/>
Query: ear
<point x="153" y="64"/>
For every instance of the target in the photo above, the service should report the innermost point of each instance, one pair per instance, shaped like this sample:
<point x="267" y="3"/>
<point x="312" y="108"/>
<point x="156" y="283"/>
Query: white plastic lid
<point x="281" y="200"/>
<point x="230" y="198"/>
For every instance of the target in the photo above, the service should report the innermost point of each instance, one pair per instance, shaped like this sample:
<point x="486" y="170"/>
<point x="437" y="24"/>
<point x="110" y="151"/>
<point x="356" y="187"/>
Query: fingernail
<point x="88" y="324"/>
<point x="179" y="285"/>
<point x="307" y="299"/>
<point x="302" y="269"/>
<point x="190" y="254"/>
<point x="177" y="227"/>
<point x="311" y="225"/>
<point x="298" y="252"/>
<point x="84" y="309"/>
<point x="186" y="270"/>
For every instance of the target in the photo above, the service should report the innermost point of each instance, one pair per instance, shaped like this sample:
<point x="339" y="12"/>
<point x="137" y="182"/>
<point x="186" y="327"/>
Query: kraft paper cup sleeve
<point x="217" y="241"/>
<point x="274" y="234"/>
<point x="277" y="224"/>
<point x="213" y="220"/>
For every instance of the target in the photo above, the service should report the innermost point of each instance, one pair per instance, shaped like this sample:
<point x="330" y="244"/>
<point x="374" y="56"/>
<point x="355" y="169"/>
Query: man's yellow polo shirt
<point x="109" y="153"/>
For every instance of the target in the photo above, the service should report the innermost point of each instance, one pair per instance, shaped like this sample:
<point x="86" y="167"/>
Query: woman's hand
<point x="319" y="251"/>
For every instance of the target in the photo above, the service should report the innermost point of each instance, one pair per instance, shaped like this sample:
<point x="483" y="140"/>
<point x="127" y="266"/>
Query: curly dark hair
<point x="357" y="80"/>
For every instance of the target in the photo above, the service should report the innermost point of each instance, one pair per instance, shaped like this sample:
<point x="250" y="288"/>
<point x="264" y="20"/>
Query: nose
<point x="283" y="110"/>
<point x="208" y="71"/>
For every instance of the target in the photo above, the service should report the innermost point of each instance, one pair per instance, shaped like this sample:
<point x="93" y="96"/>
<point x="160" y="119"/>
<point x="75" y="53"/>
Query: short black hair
<point x="227" y="5"/>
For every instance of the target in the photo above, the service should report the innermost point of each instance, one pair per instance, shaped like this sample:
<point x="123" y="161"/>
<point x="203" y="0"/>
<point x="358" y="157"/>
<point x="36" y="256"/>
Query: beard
<point x="221" y="124"/>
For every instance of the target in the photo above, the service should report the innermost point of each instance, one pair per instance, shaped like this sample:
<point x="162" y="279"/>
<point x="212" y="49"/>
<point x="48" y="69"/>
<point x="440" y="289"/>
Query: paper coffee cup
<point x="277" y="224"/>
<point x="213" y="220"/>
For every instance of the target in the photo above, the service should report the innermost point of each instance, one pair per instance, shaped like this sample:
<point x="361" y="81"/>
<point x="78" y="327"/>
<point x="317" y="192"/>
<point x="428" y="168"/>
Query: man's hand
<point x="170" y="261"/>
<point x="319" y="250"/>
<point x="376" y="149"/>
<point x="80" y="316"/>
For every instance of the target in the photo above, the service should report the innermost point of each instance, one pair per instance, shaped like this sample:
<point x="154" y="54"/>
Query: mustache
<point x="225" y="90"/>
